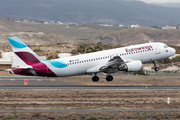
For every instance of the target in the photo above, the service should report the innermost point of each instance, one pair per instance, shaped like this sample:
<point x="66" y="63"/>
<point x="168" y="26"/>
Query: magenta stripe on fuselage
<point x="40" y="68"/>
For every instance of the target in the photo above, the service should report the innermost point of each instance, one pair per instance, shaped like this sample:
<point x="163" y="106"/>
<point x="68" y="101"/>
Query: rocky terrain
<point x="89" y="99"/>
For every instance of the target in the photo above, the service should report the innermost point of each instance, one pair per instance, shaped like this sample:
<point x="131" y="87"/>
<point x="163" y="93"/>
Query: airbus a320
<point x="129" y="59"/>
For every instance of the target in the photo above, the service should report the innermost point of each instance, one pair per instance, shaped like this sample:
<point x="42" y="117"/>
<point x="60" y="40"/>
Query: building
<point x="169" y="27"/>
<point x="63" y="55"/>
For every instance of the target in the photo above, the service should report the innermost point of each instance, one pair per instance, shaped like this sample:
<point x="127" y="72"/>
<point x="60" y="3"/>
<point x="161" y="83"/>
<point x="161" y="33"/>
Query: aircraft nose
<point x="173" y="51"/>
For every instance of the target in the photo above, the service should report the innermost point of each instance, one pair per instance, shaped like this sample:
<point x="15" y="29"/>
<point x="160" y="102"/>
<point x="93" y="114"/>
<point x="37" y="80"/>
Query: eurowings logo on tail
<point x="26" y="55"/>
<point x="29" y="62"/>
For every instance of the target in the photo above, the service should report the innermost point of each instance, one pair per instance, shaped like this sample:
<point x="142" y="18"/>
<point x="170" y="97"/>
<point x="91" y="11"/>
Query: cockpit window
<point x="165" y="46"/>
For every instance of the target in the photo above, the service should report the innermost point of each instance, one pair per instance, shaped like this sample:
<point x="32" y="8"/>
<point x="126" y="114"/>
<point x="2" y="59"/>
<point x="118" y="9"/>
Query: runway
<point x="85" y="87"/>
<point x="17" y="82"/>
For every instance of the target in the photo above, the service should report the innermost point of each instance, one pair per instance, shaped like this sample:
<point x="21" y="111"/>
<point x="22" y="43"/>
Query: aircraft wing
<point x="111" y="66"/>
<point x="113" y="63"/>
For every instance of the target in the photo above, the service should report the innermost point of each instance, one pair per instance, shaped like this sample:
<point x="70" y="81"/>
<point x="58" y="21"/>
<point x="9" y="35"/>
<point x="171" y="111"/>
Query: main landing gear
<point x="96" y="78"/>
<point x="109" y="78"/>
<point x="156" y="68"/>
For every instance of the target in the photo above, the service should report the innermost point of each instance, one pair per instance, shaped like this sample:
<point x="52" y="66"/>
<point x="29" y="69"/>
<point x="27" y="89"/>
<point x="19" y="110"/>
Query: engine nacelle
<point x="131" y="66"/>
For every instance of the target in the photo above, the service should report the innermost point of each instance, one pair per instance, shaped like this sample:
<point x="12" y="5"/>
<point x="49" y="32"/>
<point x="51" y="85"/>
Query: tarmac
<point x="31" y="80"/>
<point x="17" y="82"/>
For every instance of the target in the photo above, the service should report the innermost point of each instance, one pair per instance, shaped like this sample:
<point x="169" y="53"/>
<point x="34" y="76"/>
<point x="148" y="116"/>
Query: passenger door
<point x="156" y="47"/>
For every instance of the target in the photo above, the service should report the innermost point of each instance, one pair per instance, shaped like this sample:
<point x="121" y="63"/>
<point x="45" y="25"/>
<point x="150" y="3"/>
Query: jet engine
<point x="131" y="66"/>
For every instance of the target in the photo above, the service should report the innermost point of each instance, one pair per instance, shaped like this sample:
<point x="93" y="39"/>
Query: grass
<point x="92" y="118"/>
<point x="15" y="114"/>
<point x="9" y="116"/>
<point x="142" y="116"/>
<point x="61" y="117"/>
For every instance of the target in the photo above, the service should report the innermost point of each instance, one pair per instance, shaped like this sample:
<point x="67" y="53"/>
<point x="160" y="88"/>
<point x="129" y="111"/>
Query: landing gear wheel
<point x="109" y="78"/>
<point x="156" y="69"/>
<point x="95" y="78"/>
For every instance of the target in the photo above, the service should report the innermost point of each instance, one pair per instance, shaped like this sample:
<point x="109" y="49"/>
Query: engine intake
<point x="131" y="66"/>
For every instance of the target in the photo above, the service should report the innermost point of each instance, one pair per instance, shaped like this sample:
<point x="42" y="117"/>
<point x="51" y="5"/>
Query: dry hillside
<point x="86" y="33"/>
<point x="142" y="35"/>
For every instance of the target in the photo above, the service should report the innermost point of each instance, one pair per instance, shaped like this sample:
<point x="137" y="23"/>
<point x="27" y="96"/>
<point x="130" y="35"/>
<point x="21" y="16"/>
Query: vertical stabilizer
<point x="24" y="55"/>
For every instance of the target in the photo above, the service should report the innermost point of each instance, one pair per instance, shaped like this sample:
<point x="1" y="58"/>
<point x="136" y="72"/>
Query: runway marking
<point x="39" y="79"/>
<point x="12" y="79"/>
<point x="53" y="80"/>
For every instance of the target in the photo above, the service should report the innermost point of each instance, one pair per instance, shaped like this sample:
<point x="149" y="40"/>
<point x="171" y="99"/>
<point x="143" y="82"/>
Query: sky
<point x="161" y="1"/>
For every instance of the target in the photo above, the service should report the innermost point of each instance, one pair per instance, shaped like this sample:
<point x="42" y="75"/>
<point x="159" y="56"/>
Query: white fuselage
<point x="80" y="64"/>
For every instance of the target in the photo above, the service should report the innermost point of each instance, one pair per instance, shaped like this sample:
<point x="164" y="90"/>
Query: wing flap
<point x="112" y="63"/>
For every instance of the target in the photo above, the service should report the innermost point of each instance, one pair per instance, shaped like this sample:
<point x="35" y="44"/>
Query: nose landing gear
<point x="156" y="68"/>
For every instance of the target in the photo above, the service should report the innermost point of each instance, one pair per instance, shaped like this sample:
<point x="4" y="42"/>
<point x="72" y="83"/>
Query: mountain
<point x="176" y="5"/>
<point x="142" y="35"/>
<point x="91" y="11"/>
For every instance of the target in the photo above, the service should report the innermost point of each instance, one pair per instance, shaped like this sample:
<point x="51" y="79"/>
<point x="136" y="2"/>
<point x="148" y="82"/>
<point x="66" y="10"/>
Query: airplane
<point x="129" y="59"/>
